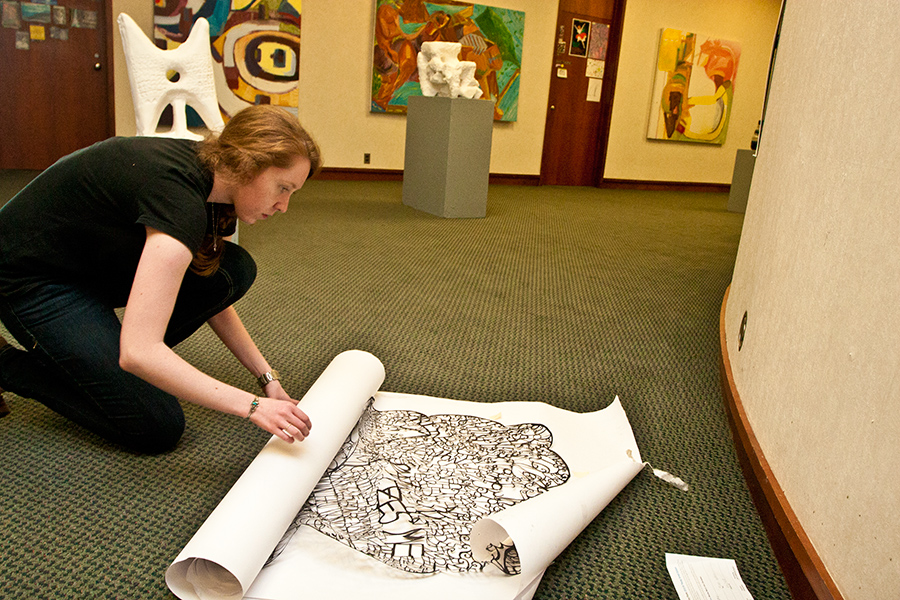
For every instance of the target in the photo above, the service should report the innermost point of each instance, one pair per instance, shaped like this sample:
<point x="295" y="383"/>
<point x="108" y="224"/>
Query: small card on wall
<point x="594" y="88"/>
<point x="11" y="15"/>
<point x="23" y="42"/>
<point x="595" y="68"/>
<point x="84" y="19"/>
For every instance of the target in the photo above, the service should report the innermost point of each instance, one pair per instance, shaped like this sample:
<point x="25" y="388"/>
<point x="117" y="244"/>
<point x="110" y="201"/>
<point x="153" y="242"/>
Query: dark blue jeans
<point x="71" y="361"/>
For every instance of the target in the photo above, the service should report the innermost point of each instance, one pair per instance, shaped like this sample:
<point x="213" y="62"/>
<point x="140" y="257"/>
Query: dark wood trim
<point x="608" y="88"/>
<point x="354" y="174"/>
<point x="805" y="573"/>
<point x="669" y="186"/>
<point x="511" y="179"/>
<point x="110" y="69"/>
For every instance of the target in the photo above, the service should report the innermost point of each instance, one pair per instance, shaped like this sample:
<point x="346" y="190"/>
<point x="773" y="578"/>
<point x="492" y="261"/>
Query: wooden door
<point x="55" y="80"/>
<point x="580" y="101"/>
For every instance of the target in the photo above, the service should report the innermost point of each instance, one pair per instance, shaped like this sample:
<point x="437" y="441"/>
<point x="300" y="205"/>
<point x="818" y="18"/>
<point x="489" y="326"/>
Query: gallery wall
<point x="631" y="155"/>
<point x="817" y="275"/>
<point x="336" y="71"/>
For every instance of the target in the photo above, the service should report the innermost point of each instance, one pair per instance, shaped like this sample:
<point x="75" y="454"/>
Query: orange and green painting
<point x="490" y="37"/>
<point x="255" y="47"/>
<point x="694" y="88"/>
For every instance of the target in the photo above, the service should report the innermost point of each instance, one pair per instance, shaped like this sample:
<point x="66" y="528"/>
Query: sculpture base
<point x="448" y="156"/>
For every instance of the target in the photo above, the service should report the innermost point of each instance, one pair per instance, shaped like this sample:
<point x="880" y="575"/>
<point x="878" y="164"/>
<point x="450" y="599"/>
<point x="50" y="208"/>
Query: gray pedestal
<point x="448" y="155"/>
<point x="740" y="181"/>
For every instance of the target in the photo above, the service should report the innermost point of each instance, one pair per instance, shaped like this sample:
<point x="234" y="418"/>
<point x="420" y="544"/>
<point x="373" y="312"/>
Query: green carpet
<point x="568" y="296"/>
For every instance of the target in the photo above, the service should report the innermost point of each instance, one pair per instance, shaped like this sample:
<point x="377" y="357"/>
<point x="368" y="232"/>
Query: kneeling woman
<point x="138" y="222"/>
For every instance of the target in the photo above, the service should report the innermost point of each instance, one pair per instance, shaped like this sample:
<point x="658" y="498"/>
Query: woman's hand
<point x="273" y="389"/>
<point x="281" y="417"/>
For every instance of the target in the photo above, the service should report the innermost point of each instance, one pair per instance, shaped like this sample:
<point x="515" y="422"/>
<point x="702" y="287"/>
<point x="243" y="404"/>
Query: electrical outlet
<point x="367" y="158"/>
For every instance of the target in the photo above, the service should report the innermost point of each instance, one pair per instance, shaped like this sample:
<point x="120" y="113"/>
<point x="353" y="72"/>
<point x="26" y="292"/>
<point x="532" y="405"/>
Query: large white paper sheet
<point x="567" y="482"/>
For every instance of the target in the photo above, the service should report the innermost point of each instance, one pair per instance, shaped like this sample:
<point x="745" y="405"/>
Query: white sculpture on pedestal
<point x="178" y="77"/>
<point x="441" y="73"/>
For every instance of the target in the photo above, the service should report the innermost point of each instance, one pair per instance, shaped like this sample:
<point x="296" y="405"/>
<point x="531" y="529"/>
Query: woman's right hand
<point x="282" y="418"/>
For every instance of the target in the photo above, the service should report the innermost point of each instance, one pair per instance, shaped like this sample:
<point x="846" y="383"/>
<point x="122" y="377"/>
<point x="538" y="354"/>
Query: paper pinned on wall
<point x="11" y="14"/>
<point x="595" y="86"/>
<point x="705" y="578"/>
<point x="381" y="497"/>
<point x="595" y="68"/>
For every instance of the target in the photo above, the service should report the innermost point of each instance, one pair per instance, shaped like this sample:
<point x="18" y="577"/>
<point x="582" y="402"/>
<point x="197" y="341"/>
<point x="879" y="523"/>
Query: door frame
<point x="110" y="69"/>
<point x="607" y="90"/>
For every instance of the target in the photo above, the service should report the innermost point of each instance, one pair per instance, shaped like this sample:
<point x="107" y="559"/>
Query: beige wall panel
<point x="631" y="155"/>
<point x="336" y="81"/>
<point x="817" y="273"/>
<point x="142" y="13"/>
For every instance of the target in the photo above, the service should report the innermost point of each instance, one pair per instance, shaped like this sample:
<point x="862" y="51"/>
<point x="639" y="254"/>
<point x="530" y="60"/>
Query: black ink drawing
<point x="406" y="488"/>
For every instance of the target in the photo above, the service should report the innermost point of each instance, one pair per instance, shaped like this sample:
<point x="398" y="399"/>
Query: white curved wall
<point x="818" y="272"/>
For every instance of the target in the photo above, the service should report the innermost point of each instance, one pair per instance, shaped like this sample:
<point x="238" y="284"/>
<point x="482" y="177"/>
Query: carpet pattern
<point x="568" y="296"/>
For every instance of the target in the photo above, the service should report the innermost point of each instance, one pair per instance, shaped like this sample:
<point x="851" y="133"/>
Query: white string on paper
<point x="672" y="480"/>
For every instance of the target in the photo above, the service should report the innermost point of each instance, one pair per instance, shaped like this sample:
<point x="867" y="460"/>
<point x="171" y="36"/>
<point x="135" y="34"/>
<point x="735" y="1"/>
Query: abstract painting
<point x="694" y="89"/>
<point x="491" y="38"/>
<point x="255" y="47"/>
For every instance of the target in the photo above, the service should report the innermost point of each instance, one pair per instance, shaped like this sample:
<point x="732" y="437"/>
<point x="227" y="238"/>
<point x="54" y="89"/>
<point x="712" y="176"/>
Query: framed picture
<point x="694" y="88"/>
<point x="491" y="37"/>
<point x="581" y="34"/>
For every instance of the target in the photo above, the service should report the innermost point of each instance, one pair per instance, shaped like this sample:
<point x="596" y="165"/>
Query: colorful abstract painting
<point x="255" y="46"/>
<point x="694" y="89"/>
<point x="491" y="38"/>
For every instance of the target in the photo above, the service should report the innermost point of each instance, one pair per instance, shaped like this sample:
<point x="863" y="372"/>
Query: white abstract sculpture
<point x="441" y="73"/>
<point x="180" y="77"/>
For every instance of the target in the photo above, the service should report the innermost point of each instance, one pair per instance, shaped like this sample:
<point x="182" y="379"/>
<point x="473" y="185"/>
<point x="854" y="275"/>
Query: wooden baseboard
<point x="803" y="570"/>
<point x="354" y="174"/>
<point x="664" y="186"/>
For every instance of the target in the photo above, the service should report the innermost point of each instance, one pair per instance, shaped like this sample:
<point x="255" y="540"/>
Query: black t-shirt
<point x="82" y="221"/>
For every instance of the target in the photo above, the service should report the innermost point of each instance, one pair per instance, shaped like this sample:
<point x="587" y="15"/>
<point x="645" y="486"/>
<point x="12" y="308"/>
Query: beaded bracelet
<point x="253" y="406"/>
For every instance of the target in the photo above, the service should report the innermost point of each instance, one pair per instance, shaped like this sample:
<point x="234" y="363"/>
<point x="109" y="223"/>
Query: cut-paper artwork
<point x="431" y="478"/>
<point x="59" y="33"/>
<point x="23" y="40"/>
<point x="581" y="31"/>
<point x="37" y="32"/>
<point x="408" y="497"/>
<point x="694" y="88"/>
<point x="255" y="48"/>
<point x="490" y="37"/>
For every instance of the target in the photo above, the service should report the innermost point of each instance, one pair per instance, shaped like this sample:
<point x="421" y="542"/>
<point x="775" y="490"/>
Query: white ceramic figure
<point x="441" y="73"/>
<point x="180" y="77"/>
